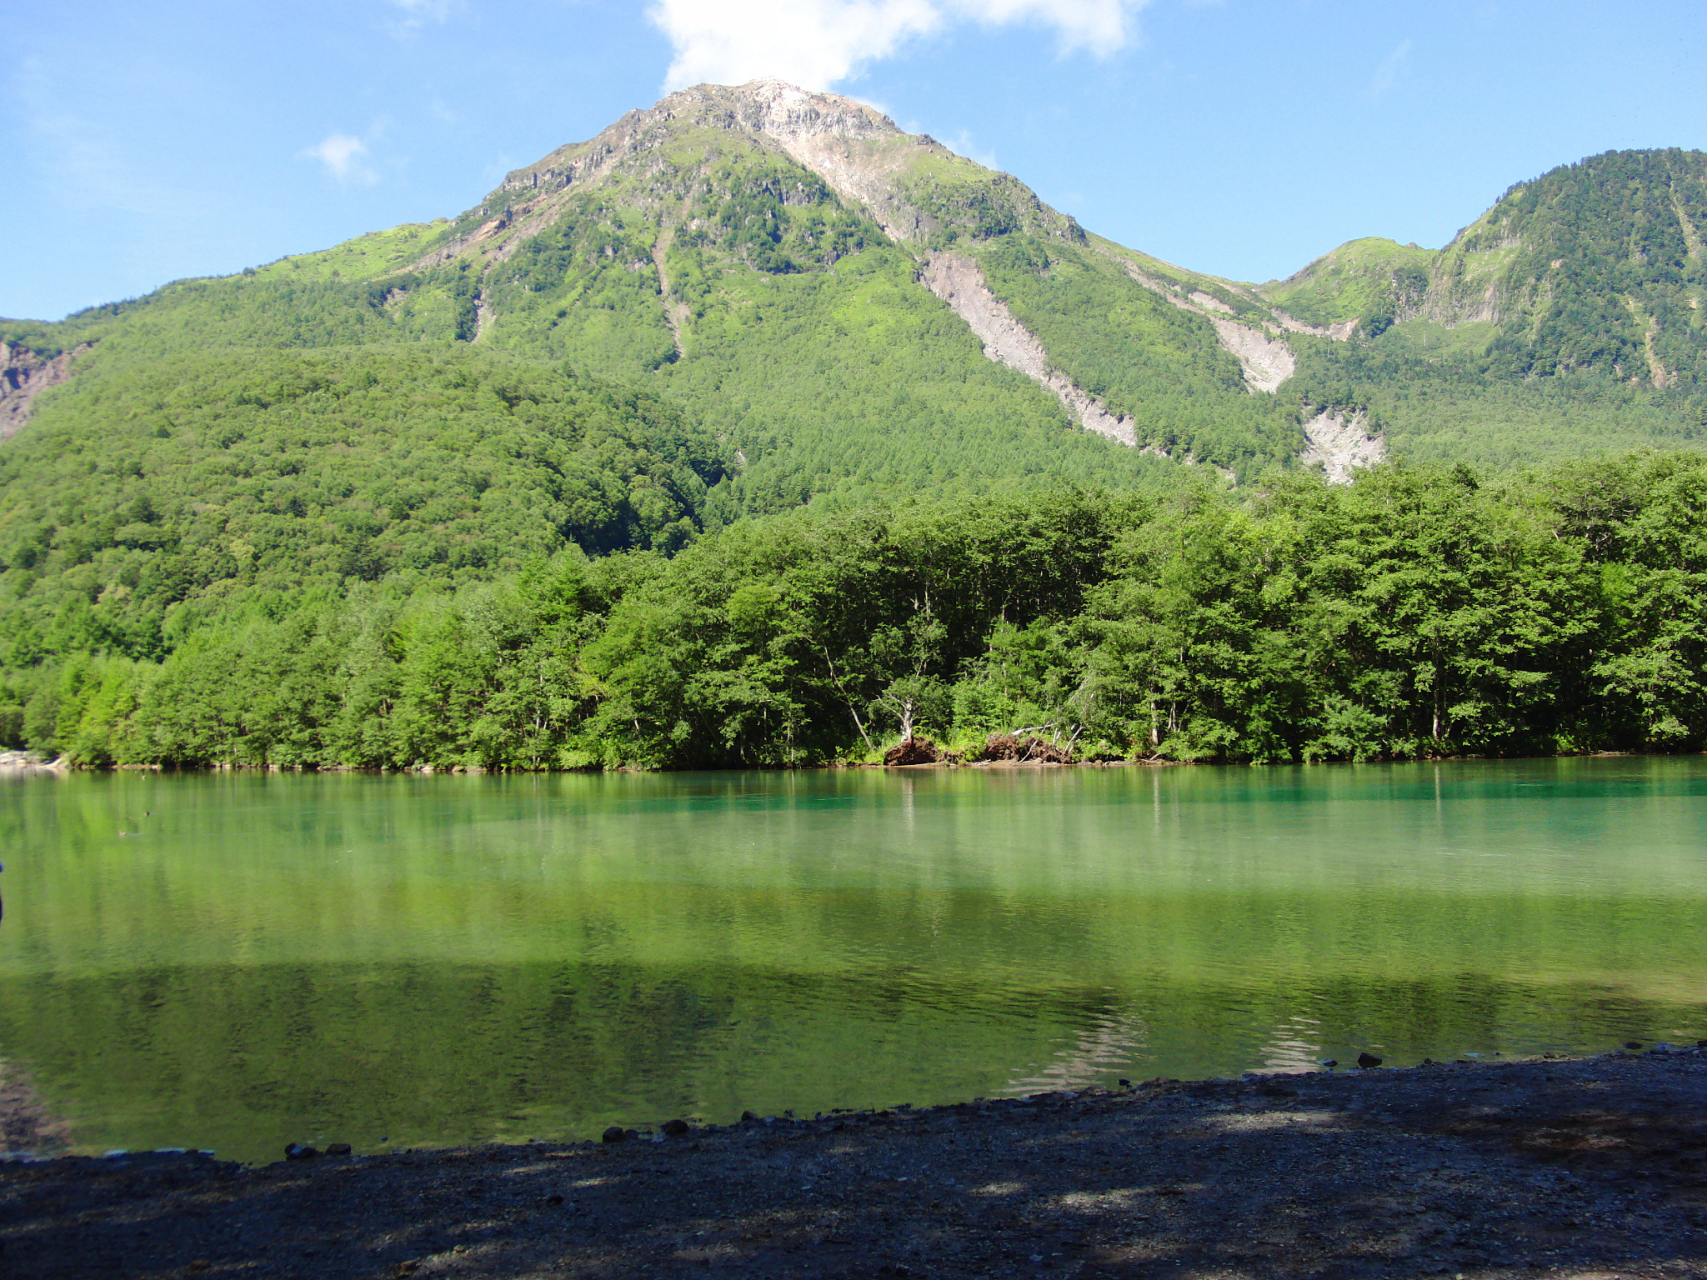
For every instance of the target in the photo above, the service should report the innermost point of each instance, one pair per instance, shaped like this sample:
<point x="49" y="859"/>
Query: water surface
<point x="237" y="961"/>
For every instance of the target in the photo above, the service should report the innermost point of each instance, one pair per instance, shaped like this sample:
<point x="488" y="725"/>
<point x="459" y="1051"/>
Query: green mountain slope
<point x="483" y="490"/>
<point x="755" y="253"/>
<point x="1598" y="265"/>
<point x="743" y="300"/>
<point x="1565" y="321"/>
<point x="1365" y="283"/>
<point x="231" y="479"/>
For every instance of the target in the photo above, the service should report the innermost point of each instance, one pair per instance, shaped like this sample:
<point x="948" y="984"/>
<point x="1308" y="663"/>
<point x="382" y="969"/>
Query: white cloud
<point x="1388" y="72"/>
<point x="342" y="155"/>
<point x="417" y="14"/>
<point x="816" y="43"/>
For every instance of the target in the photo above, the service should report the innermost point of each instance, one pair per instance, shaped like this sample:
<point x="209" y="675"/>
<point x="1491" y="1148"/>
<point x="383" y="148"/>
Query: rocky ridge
<point x="860" y="152"/>
<point x="24" y="375"/>
<point x="891" y="176"/>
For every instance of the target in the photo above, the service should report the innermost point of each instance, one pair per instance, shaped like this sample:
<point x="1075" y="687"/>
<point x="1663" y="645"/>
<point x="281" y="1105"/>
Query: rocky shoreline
<point x="30" y="762"/>
<point x="1591" y="1169"/>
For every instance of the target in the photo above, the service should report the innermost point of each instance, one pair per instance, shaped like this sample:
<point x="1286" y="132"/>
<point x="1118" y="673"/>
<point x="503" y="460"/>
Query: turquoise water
<point x="235" y="961"/>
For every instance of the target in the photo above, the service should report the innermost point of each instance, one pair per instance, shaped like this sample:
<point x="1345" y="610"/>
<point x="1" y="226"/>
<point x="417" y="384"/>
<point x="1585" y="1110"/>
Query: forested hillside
<point x="1566" y="321"/>
<point x="229" y="478"/>
<point x="1411" y="612"/>
<point x="753" y="338"/>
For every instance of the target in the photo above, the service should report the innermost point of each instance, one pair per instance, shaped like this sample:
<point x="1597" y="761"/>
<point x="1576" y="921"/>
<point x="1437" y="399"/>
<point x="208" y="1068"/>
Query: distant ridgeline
<point x="723" y="436"/>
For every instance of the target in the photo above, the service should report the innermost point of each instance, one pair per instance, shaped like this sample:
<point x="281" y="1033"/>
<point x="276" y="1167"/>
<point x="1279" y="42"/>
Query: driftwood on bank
<point x="917" y="751"/>
<point x="1019" y="748"/>
<point x="1026" y="748"/>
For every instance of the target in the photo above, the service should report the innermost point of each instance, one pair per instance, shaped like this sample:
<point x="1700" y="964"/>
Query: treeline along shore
<point x="1413" y="612"/>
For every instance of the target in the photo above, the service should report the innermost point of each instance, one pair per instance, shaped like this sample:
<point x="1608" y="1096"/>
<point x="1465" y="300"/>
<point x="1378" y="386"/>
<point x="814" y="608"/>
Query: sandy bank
<point x="1582" y="1168"/>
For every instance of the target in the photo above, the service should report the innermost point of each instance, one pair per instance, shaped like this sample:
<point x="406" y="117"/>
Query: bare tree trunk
<point x="858" y="724"/>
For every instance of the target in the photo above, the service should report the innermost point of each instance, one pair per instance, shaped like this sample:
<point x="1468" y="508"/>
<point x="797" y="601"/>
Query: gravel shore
<point x="1582" y="1168"/>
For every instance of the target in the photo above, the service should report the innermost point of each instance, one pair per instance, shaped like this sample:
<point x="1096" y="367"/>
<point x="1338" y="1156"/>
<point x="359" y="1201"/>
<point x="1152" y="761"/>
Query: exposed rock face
<point x="1340" y="445"/>
<point x="958" y="281"/>
<point x="1264" y="357"/>
<point x="1267" y="362"/>
<point x="819" y="130"/>
<point x="24" y="375"/>
<point x="1340" y="332"/>
<point x="812" y="128"/>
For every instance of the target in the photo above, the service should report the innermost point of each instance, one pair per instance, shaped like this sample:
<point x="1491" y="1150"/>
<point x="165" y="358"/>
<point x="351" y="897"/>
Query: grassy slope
<point x="378" y="253"/>
<point x="1360" y="280"/>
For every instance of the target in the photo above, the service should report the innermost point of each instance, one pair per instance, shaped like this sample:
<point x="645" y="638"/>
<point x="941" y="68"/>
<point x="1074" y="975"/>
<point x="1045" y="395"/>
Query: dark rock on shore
<point x="913" y="751"/>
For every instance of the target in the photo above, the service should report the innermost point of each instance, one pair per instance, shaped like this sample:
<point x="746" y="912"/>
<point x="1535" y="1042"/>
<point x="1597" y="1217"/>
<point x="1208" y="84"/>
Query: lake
<point x="236" y="961"/>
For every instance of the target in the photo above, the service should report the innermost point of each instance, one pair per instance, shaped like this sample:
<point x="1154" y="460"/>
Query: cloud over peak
<point x="342" y="155"/>
<point x="817" y="43"/>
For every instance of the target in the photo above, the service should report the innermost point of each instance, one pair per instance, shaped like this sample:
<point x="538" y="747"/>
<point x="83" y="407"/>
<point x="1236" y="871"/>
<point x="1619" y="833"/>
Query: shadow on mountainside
<point x="1582" y="1168"/>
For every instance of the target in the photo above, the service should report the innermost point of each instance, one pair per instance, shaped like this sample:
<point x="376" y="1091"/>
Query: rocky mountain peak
<point x="787" y="112"/>
<point x="909" y="184"/>
<point x="806" y="126"/>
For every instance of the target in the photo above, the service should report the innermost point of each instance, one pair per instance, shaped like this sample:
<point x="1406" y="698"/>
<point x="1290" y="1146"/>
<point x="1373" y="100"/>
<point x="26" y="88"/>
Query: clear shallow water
<point x="268" y="958"/>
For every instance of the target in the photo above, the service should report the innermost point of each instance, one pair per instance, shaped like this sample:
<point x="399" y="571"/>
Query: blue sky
<point x="147" y="142"/>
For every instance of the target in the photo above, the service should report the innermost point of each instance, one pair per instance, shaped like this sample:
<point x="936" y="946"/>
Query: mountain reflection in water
<point x="271" y="958"/>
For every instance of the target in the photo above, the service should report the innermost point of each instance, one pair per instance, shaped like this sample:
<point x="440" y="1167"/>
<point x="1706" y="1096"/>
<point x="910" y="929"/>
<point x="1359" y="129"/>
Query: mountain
<point x="1567" y="318"/>
<point x="745" y="299"/>
<point x="755" y="428"/>
<point x="757" y="255"/>
<point x="1595" y="265"/>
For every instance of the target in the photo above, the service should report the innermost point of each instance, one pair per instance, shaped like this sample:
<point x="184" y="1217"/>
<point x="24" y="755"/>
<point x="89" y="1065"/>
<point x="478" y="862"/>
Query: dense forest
<point x="1415" y="611"/>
